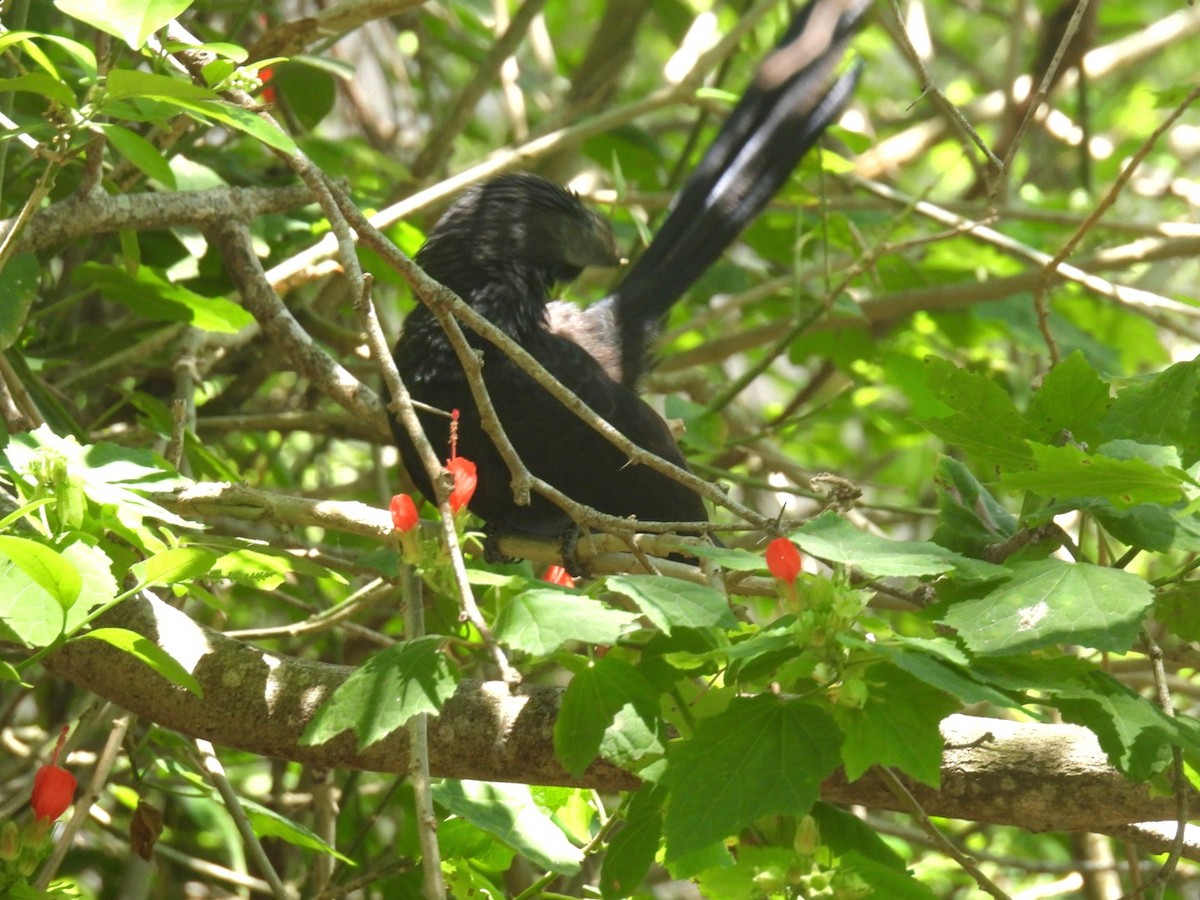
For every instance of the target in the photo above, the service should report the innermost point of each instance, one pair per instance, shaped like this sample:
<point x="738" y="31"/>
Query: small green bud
<point x="853" y="693"/>
<point x="10" y="841"/>
<point x="850" y="886"/>
<point x="808" y="837"/>
<point x="769" y="880"/>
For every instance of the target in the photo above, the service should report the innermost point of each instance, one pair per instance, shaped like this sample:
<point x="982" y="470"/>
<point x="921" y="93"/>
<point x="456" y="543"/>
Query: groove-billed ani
<point x="502" y="246"/>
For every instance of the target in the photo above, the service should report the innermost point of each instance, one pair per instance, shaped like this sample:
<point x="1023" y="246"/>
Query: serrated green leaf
<point x="636" y="734"/>
<point x="385" y="692"/>
<point x="1134" y="733"/>
<point x="897" y="727"/>
<point x="632" y="850"/>
<point x="984" y="423"/>
<point x="541" y="620"/>
<point x="761" y="756"/>
<point x="148" y="652"/>
<point x="1052" y="602"/>
<point x="1072" y="398"/>
<point x="832" y="538"/>
<point x="509" y="813"/>
<point x="1069" y="472"/>
<point x="1159" y="409"/>
<point x="592" y="699"/>
<point x="672" y="603"/>
<point x="1179" y="610"/>
<point x="944" y="666"/>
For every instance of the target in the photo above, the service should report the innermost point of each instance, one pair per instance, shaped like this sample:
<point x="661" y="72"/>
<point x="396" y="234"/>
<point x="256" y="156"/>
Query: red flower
<point x="558" y="575"/>
<point x="465" y="480"/>
<point x="53" y="787"/>
<point x="783" y="560"/>
<point x="404" y="513"/>
<point x="265" y="74"/>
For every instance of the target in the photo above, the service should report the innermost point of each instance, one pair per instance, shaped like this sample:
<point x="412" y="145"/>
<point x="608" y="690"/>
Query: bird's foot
<point x="491" y="547"/>
<point x="567" y="548"/>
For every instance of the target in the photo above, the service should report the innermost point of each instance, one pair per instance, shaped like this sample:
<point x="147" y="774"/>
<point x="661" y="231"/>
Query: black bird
<point x="504" y="244"/>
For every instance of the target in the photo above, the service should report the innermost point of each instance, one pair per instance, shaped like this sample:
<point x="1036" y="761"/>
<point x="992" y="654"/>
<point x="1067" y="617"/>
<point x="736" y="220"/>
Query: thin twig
<point x="940" y="841"/>
<point x="216" y="775"/>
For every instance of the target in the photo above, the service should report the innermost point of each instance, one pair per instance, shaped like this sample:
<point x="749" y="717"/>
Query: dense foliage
<point x="971" y="401"/>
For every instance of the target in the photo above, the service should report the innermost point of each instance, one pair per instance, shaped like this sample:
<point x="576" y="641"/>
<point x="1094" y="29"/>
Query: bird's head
<point x="519" y="220"/>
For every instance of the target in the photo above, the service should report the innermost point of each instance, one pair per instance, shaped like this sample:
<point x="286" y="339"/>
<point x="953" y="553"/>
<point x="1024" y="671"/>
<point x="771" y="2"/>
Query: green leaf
<point x="389" y="689"/>
<point x="81" y="54"/>
<point x="111" y="477"/>
<point x="149" y="294"/>
<point x="1072" y="398"/>
<point x="943" y="665"/>
<point x="843" y="832"/>
<point x="19" y="280"/>
<point x="541" y="620"/>
<point x="40" y="83"/>
<point x="133" y="21"/>
<point x="635" y="735"/>
<point x="672" y="603"/>
<point x="1051" y="602"/>
<point x="1179" y="610"/>
<point x="509" y="813"/>
<point x="1134" y="733"/>
<point x="761" y="756"/>
<point x="631" y="852"/>
<point x="268" y="823"/>
<point x="984" y="423"/>
<point x="173" y="566"/>
<point x="1149" y="526"/>
<point x="123" y="84"/>
<point x="897" y="727"/>
<point x="832" y="538"/>
<point x="1160" y="409"/>
<point x="45" y="566"/>
<point x="31" y="615"/>
<point x="886" y="881"/>
<point x="1069" y="472"/>
<point x="970" y="520"/>
<point x="591" y="701"/>
<point x="140" y="152"/>
<point x="148" y="652"/>
<point x="242" y="120"/>
<point x="732" y="559"/>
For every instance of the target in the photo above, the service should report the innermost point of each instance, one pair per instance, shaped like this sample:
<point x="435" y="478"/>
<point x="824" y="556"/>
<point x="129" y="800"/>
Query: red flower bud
<point x="404" y="513"/>
<point x="465" y="480"/>
<point x="558" y="575"/>
<point x="783" y="560"/>
<point x="53" y="786"/>
<point x="53" y="791"/>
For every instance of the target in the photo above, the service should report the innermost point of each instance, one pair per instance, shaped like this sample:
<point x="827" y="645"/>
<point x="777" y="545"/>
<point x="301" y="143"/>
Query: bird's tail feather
<point x="781" y="115"/>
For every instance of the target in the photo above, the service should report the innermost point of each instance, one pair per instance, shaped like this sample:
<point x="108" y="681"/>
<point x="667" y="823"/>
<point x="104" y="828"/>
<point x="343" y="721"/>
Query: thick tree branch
<point x="80" y="216"/>
<point x="1039" y="777"/>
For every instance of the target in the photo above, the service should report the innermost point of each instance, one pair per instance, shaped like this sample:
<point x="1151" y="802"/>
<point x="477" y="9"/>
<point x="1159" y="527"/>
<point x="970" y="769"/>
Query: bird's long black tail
<point x="777" y="120"/>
